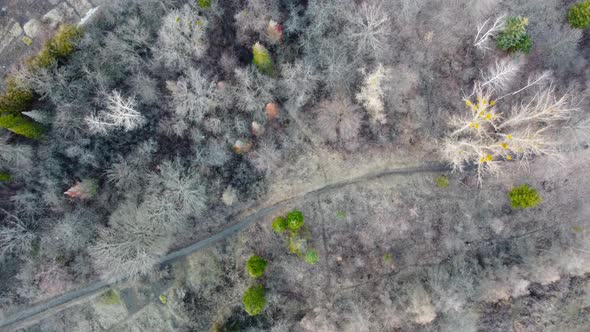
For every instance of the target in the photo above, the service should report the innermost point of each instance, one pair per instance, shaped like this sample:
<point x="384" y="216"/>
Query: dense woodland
<point x="149" y="126"/>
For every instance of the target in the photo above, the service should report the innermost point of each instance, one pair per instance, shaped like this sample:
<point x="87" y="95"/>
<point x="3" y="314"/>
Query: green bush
<point x="295" y="220"/>
<point x="4" y="176"/>
<point x="61" y="45"/>
<point x="442" y="181"/>
<point x="261" y="59"/>
<point x="387" y="257"/>
<point x="524" y="197"/>
<point x="579" y="15"/>
<point x="256" y="266"/>
<point x="163" y="299"/>
<point x="514" y="37"/>
<point x="311" y="257"/>
<point x="21" y="125"/>
<point x="279" y="225"/>
<point x="254" y="300"/>
<point x="15" y="99"/>
<point x="110" y="297"/>
<point x="205" y="4"/>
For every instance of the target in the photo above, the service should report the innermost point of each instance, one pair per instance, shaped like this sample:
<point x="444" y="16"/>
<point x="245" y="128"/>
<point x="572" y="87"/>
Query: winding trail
<point x="39" y="311"/>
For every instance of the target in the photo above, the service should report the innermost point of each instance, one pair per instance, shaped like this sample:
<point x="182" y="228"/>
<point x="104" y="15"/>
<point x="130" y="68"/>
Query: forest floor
<point x="304" y="191"/>
<point x="385" y="212"/>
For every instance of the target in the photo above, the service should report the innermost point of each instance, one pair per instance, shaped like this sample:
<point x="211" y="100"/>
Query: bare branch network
<point x="487" y="30"/>
<point x="120" y="113"/>
<point x="491" y="136"/>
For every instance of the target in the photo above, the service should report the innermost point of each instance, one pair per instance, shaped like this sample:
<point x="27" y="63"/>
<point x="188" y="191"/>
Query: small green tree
<point x="256" y="266"/>
<point x="279" y="225"/>
<point x="524" y="197"/>
<point x="61" y="45"/>
<point x="295" y="220"/>
<point x="254" y="300"/>
<point x="262" y="60"/>
<point x="15" y="98"/>
<point x="442" y="181"/>
<point x="4" y="176"/>
<point x="579" y="15"/>
<point x="21" y="125"/>
<point x="514" y="37"/>
<point x="163" y="299"/>
<point x="311" y="257"/>
<point x="205" y="4"/>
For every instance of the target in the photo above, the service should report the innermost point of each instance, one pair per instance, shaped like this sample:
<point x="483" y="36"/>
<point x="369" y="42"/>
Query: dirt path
<point x="39" y="311"/>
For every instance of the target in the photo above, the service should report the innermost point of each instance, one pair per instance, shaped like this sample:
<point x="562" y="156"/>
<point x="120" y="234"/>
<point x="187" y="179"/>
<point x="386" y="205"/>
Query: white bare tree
<point x="120" y="113"/>
<point x="487" y="30"/>
<point x="501" y="74"/>
<point x="489" y="138"/>
<point x="368" y="26"/>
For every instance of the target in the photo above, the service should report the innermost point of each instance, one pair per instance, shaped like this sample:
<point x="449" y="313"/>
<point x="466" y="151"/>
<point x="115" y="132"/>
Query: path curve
<point x="61" y="302"/>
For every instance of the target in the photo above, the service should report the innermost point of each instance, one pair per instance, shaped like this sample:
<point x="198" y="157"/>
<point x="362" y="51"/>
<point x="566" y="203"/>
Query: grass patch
<point x="442" y="181"/>
<point x="524" y="197"/>
<point x="110" y="297"/>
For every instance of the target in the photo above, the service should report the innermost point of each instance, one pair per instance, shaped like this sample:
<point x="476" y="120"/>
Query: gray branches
<point x="298" y="82"/>
<point x="174" y="194"/>
<point x="181" y="38"/>
<point x="15" y="157"/>
<point x="120" y="113"/>
<point x="138" y="234"/>
<point x="130" y="246"/>
<point x="253" y="90"/>
<point x="16" y="236"/>
<point x="368" y="26"/>
<point x="339" y="121"/>
<point x="193" y="96"/>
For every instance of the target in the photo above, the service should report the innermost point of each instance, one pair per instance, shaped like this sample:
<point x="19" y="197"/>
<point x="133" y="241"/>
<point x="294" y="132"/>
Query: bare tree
<point x="339" y="121"/>
<point x="193" y="96"/>
<point x="174" y="194"/>
<point x="120" y="113"/>
<point x="252" y="90"/>
<point x="368" y="26"/>
<point x="253" y="19"/>
<point x="181" y="38"/>
<point x="265" y="157"/>
<point x="501" y="74"/>
<point x="127" y="172"/>
<point x="298" y="81"/>
<point x="487" y="30"/>
<point x="15" y="157"/>
<point x="371" y="94"/>
<point x="130" y="246"/>
<point x="16" y="235"/>
<point x="489" y="138"/>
